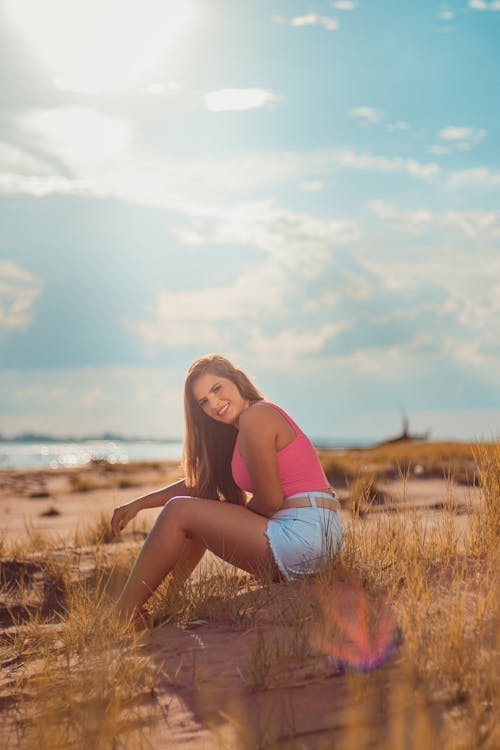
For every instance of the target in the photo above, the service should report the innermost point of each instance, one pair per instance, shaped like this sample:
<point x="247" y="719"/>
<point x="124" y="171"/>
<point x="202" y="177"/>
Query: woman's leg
<point x="230" y="531"/>
<point x="191" y="553"/>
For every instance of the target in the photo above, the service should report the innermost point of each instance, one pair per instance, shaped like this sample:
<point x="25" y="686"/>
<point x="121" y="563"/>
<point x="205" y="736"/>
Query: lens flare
<point x="354" y="633"/>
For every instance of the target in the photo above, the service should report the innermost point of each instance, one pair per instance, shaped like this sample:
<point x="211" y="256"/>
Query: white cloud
<point x="77" y="151"/>
<point x="158" y="179"/>
<point x="457" y="138"/>
<point x="368" y="114"/>
<point x="383" y="209"/>
<point x="187" y="236"/>
<point x="417" y="169"/>
<point x="290" y="344"/>
<point x="354" y="160"/>
<point x="349" y="158"/>
<point x="472" y="222"/>
<point x="194" y="317"/>
<point x="16" y="160"/>
<point x="462" y="133"/>
<point x="296" y="248"/>
<point x="312" y="186"/>
<point x="446" y="15"/>
<point x="167" y="182"/>
<point x="482" y="5"/>
<point x="13" y="272"/>
<point x="465" y="270"/>
<point x="301" y="240"/>
<point x="375" y="116"/>
<point x="157" y="88"/>
<point x="238" y="100"/>
<point x="476" y="176"/>
<point x="472" y="294"/>
<point x="345" y="4"/>
<point x="19" y="290"/>
<point x="346" y="285"/>
<point x="313" y="19"/>
<point x="78" y="135"/>
<point x="39" y="186"/>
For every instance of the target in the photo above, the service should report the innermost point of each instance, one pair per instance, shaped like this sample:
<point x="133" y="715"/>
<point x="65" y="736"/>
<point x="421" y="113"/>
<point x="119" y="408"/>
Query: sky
<point x="309" y="188"/>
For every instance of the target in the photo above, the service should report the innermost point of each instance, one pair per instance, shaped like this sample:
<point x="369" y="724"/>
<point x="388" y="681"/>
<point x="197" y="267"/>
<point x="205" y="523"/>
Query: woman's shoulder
<point x="260" y="410"/>
<point x="262" y="414"/>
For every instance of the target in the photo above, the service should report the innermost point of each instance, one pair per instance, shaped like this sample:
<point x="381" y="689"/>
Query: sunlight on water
<point x="53" y="455"/>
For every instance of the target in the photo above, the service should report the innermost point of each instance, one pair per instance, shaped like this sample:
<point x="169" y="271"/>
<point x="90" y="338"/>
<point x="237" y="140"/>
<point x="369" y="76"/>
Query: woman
<point x="235" y="442"/>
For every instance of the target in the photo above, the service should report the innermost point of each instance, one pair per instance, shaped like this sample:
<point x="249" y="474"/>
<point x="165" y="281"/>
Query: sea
<point x="53" y="454"/>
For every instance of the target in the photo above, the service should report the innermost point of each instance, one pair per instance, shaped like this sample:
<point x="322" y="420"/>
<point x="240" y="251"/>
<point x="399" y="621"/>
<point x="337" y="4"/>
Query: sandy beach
<point x="243" y="665"/>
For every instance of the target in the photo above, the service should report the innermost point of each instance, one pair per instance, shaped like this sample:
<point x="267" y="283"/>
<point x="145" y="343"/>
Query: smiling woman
<point x="235" y="443"/>
<point x="94" y="45"/>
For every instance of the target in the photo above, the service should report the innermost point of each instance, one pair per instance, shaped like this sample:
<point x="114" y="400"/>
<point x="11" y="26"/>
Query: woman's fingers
<point x="120" y="518"/>
<point x="118" y="521"/>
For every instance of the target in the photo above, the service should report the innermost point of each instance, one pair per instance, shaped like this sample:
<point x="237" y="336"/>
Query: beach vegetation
<point x="395" y="644"/>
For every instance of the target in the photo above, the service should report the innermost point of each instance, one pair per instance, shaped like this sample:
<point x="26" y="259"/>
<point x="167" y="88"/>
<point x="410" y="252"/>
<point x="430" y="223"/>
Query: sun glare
<point x="94" y="45"/>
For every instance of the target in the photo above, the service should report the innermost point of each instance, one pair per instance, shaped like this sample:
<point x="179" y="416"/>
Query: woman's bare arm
<point x="259" y="427"/>
<point x="158" y="498"/>
<point x="125" y="513"/>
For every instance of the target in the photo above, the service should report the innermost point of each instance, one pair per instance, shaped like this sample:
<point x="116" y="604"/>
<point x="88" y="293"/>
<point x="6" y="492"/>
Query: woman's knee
<point x="175" y="507"/>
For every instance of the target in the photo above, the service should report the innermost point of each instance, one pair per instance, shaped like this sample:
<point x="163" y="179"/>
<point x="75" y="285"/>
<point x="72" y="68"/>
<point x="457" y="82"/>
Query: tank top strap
<point x="288" y="418"/>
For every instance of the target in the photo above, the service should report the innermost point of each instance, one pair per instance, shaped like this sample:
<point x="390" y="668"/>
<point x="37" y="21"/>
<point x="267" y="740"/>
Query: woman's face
<point x="219" y="398"/>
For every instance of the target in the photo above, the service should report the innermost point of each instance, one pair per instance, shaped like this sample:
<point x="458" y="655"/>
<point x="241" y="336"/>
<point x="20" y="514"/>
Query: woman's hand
<point x="122" y="515"/>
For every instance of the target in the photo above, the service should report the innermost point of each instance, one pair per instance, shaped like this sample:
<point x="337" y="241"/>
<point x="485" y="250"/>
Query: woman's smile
<point x="219" y="398"/>
<point x="223" y="409"/>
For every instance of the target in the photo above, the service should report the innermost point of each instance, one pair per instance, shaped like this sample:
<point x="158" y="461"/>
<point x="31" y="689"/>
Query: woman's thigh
<point x="230" y="531"/>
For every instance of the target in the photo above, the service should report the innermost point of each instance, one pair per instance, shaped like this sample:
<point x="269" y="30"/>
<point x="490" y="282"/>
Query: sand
<point x="208" y="668"/>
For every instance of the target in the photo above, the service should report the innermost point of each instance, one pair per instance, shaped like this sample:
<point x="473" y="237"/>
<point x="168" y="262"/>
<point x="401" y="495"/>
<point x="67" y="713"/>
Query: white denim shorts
<point x="302" y="540"/>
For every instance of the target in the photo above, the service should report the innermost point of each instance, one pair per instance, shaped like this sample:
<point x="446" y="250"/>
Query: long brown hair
<point x="208" y="444"/>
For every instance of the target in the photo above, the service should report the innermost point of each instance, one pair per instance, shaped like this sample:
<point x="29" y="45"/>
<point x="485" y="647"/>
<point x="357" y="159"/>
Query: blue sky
<point x="310" y="188"/>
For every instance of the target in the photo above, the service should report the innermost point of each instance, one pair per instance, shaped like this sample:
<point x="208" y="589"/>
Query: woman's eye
<point x="217" y="388"/>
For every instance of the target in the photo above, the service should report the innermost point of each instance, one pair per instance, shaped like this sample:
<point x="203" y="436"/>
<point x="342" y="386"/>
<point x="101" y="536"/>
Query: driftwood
<point x="406" y="436"/>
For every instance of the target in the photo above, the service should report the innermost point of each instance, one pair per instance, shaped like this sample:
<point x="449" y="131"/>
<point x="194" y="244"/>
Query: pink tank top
<point x="299" y="466"/>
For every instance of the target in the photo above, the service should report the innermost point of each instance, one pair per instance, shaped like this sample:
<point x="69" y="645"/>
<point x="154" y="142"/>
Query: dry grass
<point x="75" y="678"/>
<point x="101" y="474"/>
<point x="80" y="686"/>
<point x="88" y="481"/>
<point x="452" y="459"/>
